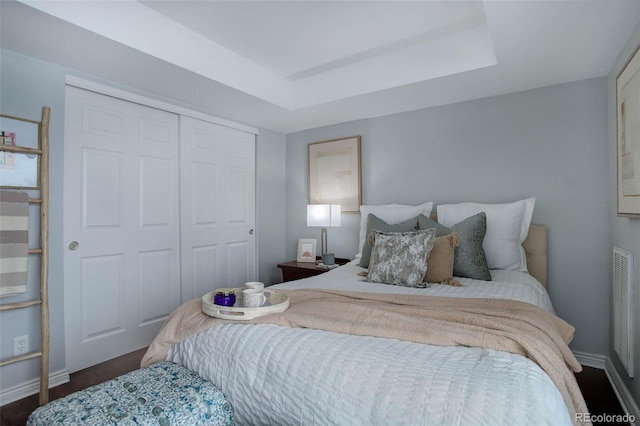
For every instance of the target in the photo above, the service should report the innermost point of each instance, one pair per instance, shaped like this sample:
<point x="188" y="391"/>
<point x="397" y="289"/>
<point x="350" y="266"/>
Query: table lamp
<point x="324" y="216"/>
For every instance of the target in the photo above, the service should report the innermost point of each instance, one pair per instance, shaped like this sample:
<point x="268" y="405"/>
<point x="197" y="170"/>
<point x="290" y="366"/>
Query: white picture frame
<point x="306" y="250"/>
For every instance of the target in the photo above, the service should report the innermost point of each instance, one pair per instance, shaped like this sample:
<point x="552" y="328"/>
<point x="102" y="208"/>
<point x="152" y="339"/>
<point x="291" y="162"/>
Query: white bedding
<point x="274" y="375"/>
<point x="512" y="285"/>
<point x="278" y="375"/>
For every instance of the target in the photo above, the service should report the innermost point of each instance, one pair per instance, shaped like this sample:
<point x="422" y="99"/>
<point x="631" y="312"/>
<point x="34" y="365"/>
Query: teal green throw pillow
<point x="469" y="258"/>
<point x="374" y="223"/>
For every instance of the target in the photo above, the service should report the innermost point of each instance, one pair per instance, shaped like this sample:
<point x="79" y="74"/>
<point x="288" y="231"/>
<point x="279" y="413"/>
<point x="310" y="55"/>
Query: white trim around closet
<point x="81" y="83"/>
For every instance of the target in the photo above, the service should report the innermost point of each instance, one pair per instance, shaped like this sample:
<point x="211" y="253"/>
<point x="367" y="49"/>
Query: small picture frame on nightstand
<point x="306" y="250"/>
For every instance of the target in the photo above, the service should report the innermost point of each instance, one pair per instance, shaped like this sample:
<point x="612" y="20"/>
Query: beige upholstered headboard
<point x="536" y="248"/>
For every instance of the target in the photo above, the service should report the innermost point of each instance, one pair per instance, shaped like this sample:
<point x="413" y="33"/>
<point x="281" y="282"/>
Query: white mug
<point x="253" y="298"/>
<point x="255" y="284"/>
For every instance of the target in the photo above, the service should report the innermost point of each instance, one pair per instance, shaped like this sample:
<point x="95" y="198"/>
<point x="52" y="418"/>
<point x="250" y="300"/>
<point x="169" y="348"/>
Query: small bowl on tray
<point x="276" y="302"/>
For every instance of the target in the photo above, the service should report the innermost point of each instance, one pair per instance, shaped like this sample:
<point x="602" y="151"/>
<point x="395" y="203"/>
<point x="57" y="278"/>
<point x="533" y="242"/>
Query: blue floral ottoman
<point x="161" y="394"/>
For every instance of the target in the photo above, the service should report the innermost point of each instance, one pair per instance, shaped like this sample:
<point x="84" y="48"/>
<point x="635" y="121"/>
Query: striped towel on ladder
<point x="14" y="242"/>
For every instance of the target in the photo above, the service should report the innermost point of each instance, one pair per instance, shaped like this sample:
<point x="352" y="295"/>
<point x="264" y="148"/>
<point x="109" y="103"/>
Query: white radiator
<point x="623" y="307"/>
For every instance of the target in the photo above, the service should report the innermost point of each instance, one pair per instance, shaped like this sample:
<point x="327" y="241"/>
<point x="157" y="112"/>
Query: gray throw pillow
<point x="400" y="258"/>
<point x="377" y="224"/>
<point x="469" y="259"/>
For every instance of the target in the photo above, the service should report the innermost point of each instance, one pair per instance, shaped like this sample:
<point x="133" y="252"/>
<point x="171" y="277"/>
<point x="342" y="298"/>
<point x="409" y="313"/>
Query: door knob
<point x="250" y="231"/>
<point x="73" y="245"/>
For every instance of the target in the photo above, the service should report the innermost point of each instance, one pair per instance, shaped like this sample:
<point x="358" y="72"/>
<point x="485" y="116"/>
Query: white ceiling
<point x="295" y="65"/>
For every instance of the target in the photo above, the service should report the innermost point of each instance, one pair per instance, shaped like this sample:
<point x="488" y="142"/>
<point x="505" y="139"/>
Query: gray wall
<point x="25" y="87"/>
<point x="548" y="143"/>
<point x="28" y="84"/>
<point x="625" y="232"/>
<point x="270" y="204"/>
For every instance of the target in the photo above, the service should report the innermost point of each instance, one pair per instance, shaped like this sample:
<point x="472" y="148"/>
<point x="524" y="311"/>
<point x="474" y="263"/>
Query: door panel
<point x="102" y="189"/>
<point x="205" y="269"/>
<point x="237" y="259"/>
<point x="121" y="206"/>
<point x="163" y="210"/>
<point x="155" y="285"/>
<point x="152" y="131"/>
<point x="155" y="206"/>
<point x="99" y="120"/>
<point x="237" y="197"/>
<point x="218" y="198"/>
<point x="203" y="194"/>
<point x="103" y="280"/>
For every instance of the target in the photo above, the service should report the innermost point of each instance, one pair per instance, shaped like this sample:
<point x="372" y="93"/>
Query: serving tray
<point x="276" y="302"/>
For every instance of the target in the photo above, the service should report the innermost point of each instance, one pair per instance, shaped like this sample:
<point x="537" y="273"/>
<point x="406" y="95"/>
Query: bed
<point x="350" y="351"/>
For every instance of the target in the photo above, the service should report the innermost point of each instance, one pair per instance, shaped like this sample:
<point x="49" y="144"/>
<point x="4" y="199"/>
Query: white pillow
<point x="390" y="213"/>
<point x="507" y="228"/>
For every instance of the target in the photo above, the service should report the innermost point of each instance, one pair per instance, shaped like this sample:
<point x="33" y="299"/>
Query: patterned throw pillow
<point x="469" y="259"/>
<point x="377" y="224"/>
<point x="400" y="258"/>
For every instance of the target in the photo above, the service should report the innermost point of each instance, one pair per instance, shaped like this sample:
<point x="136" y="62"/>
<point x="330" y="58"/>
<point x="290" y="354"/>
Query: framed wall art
<point x="334" y="173"/>
<point x="306" y="250"/>
<point x="628" y="137"/>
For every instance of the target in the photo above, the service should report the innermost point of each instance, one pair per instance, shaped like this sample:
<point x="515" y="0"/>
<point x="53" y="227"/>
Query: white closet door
<point x="217" y="208"/>
<point x="121" y="207"/>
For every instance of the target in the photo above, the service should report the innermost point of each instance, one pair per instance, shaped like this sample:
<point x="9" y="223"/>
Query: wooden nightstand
<point x="298" y="270"/>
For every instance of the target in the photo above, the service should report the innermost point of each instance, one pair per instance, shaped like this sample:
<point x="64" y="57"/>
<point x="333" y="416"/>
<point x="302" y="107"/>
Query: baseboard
<point x="31" y="387"/>
<point x="626" y="400"/>
<point x="591" y="360"/>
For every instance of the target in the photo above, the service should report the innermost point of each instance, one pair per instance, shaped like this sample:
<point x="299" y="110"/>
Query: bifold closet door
<point x="121" y="232"/>
<point x="217" y="208"/>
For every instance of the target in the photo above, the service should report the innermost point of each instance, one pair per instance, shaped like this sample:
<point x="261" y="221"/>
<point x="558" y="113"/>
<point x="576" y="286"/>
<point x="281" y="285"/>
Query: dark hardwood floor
<point x="593" y="382"/>
<point x="598" y="394"/>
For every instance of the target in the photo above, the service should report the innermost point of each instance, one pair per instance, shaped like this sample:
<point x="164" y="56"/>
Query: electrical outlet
<point x="21" y="345"/>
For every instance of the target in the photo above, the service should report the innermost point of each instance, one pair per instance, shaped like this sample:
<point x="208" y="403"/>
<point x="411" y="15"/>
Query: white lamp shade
<point x="323" y="215"/>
